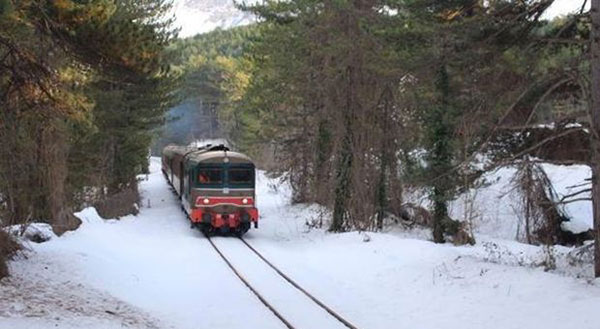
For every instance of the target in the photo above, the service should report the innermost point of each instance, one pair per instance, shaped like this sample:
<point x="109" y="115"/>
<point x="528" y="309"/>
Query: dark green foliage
<point x="228" y="43"/>
<point x="475" y="82"/>
<point x="198" y="59"/>
<point x="82" y="85"/>
<point x="214" y="73"/>
<point x="128" y="114"/>
<point x="5" y="7"/>
<point x="364" y="98"/>
<point x="439" y="121"/>
<point x="343" y="187"/>
<point x="321" y="68"/>
<point x="131" y="94"/>
<point x="387" y="164"/>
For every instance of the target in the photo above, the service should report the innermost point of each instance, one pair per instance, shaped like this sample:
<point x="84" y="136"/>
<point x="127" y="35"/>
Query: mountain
<point x="201" y="16"/>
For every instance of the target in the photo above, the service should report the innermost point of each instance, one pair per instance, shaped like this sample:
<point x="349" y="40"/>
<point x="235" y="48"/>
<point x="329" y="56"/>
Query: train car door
<point x="185" y="191"/>
<point x="171" y="169"/>
<point x="183" y="177"/>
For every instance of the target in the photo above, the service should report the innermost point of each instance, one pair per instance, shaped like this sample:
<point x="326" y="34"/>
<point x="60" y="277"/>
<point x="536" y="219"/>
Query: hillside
<point x="201" y="16"/>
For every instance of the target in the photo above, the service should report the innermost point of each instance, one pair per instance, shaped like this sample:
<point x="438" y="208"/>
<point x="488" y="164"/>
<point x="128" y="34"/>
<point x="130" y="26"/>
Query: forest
<point x="357" y="107"/>
<point x="360" y="106"/>
<point x="84" y="84"/>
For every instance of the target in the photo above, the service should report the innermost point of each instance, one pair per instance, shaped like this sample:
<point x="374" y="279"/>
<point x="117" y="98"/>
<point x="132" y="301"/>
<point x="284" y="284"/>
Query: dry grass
<point x="8" y="248"/>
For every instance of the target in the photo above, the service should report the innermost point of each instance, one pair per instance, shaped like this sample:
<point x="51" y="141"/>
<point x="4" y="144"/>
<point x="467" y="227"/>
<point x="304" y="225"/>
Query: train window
<point x="210" y="176"/>
<point x="241" y="176"/>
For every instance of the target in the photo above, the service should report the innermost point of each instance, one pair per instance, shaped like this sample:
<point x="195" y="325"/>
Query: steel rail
<point x="297" y="286"/>
<point x="254" y="291"/>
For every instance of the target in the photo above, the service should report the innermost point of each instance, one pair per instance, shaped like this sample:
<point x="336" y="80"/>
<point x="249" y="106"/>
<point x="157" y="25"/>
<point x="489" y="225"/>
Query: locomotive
<point x="216" y="187"/>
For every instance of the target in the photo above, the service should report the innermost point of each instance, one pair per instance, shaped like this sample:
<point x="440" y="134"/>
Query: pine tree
<point x="52" y="53"/>
<point x="440" y="122"/>
<point x="321" y="67"/>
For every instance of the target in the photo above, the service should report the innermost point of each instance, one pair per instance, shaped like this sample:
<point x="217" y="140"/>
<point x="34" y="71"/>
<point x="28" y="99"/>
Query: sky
<point x="562" y="7"/>
<point x="201" y="16"/>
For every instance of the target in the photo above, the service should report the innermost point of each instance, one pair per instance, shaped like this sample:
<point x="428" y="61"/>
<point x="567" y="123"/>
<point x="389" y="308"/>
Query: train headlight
<point x="206" y="201"/>
<point x="245" y="201"/>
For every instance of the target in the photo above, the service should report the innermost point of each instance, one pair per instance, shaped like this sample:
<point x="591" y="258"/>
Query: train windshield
<point x="210" y="176"/>
<point x="241" y="176"/>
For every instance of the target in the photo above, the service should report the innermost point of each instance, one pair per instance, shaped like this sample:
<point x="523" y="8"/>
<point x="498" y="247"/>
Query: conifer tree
<point x="52" y="53"/>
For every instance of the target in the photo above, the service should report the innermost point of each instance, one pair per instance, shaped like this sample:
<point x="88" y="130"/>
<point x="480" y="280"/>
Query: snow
<point x="494" y="206"/>
<point x="89" y="216"/>
<point x="153" y="271"/>
<point x="209" y="141"/>
<point x="297" y="309"/>
<point x="565" y="180"/>
<point x="35" y="232"/>
<point x="565" y="7"/>
<point x="202" y="16"/>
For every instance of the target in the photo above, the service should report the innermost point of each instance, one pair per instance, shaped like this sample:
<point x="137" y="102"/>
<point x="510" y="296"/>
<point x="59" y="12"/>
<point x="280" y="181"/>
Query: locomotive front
<point x="220" y="192"/>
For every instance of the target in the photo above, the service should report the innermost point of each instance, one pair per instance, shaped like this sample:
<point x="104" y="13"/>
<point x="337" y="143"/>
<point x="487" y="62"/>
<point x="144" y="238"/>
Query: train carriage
<point x="216" y="187"/>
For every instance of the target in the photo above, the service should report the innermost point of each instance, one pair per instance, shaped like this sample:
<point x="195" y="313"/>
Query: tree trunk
<point x="441" y="155"/>
<point x="344" y="170"/>
<point x="381" y="195"/>
<point x="342" y="188"/>
<point x="595" y="114"/>
<point x="343" y="185"/>
<point x="323" y="153"/>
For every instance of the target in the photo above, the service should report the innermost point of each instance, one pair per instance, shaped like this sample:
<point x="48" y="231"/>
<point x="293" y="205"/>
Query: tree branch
<point x="575" y="194"/>
<point x="573" y="201"/>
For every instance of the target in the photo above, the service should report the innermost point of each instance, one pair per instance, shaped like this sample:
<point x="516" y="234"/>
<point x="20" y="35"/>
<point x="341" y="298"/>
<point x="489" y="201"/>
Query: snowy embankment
<point x="152" y="270"/>
<point x="495" y="207"/>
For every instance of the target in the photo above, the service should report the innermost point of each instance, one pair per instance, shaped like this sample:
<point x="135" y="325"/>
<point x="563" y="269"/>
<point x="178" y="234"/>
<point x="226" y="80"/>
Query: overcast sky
<point x="562" y="7"/>
<point x="205" y="16"/>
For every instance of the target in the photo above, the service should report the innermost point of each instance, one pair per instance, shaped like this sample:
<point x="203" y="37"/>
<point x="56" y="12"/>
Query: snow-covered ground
<point x="495" y="206"/>
<point x="153" y="271"/>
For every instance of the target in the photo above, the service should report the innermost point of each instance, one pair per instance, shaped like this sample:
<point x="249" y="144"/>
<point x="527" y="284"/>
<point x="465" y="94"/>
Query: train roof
<point x="172" y="150"/>
<point x="206" y="154"/>
<point x="219" y="157"/>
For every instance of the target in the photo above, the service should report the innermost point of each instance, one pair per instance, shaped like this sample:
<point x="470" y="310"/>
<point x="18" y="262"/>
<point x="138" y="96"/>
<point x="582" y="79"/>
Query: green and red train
<point x="216" y="187"/>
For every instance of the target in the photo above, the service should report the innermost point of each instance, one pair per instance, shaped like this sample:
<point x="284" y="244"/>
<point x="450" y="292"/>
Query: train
<point x="215" y="185"/>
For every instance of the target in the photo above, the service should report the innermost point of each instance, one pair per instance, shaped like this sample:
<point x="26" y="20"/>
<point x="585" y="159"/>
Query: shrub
<point x="120" y="204"/>
<point x="8" y="249"/>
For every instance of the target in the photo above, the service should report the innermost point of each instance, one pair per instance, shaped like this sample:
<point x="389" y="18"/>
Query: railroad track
<point x="289" y="298"/>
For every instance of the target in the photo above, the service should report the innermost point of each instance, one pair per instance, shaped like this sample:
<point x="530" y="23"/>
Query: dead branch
<point x="575" y="194"/>
<point x="544" y="96"/>
<point x="533" y="148"/>
<point x="573" y="201"/>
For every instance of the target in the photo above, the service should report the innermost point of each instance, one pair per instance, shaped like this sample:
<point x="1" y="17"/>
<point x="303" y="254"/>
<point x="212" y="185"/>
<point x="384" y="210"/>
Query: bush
<point x="8" y="249"/>
<point x="120" y="204"/>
